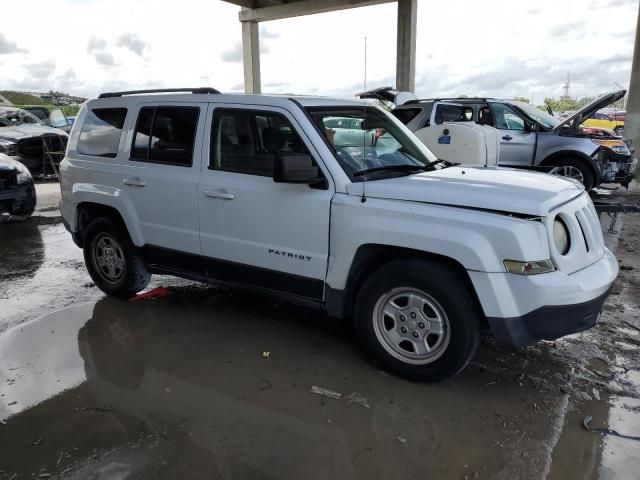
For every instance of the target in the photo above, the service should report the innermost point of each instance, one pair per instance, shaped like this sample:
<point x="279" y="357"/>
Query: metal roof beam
<point x="302" y="7"/>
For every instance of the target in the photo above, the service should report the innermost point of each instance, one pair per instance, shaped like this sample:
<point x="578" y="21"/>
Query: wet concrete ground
<point x="181" y="387"/>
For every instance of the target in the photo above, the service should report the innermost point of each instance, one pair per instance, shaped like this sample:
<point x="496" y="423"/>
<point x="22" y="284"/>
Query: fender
<point x="479" y="241"/>
<point x="111" y="197"/>
<point x="595" y="168"/>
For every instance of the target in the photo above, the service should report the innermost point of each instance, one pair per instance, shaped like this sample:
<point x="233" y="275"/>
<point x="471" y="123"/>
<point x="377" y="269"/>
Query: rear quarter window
<point x="101" y="131"/>
<point x="405" y="115"/>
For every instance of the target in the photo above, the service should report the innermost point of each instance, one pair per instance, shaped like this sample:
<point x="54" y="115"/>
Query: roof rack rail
<point x="159" y="90"/>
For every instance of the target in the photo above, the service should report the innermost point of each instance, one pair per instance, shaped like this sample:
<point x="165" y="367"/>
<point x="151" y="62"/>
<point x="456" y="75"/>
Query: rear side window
<point x="101" y="131"/>
<point x="165" y="135"/>
<point x="247" y="141"/>
<point x="405" y="115"/>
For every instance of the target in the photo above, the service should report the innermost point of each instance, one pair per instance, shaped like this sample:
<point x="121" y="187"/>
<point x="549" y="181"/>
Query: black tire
<point x="619" y="130"/>
<point x="130" y="275"/>
<point x="587" y="180"/>
<point x="451" y="294"/>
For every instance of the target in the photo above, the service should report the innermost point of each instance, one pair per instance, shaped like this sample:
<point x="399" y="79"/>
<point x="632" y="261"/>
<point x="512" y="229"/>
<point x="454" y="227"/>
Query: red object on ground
<point x="159" y="292"/>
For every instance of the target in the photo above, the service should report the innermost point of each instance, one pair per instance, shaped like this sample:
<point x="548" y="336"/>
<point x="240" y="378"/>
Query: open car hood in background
<point x="388" y="94"/>
<point x="574" y="121"/>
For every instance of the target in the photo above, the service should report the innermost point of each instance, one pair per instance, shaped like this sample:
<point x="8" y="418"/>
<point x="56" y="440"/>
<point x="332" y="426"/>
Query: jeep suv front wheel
<point x="418" y="320"/>
<point x="112" y="261"/>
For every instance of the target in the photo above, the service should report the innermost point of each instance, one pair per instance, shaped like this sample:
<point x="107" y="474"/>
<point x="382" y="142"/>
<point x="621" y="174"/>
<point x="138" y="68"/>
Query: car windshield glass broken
<point x="9" y="118"/>
<point x="366" y="138"/>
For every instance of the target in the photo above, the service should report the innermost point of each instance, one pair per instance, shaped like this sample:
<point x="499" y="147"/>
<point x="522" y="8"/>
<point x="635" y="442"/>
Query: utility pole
<point x="566" y="86"/>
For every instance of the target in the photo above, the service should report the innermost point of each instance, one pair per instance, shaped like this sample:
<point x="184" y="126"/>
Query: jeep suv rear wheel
<point x="418" y="320"/>
<point x="112" y="261"/>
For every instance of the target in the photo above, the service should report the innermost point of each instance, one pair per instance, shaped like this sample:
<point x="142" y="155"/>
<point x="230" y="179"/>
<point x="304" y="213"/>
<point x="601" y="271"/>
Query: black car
<point x="17" y="191"/>
<point x="25" y="138"/>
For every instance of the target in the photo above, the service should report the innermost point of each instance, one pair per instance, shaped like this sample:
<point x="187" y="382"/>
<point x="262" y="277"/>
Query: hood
<point x="574" y="121"/>
<point x="19" y="132"/>
<point x="484" y="188"/>
<point x="388" y="94"/>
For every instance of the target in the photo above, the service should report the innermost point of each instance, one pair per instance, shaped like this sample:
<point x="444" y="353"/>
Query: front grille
<point x="30" y="147"/>
<point x="33" y="147"/>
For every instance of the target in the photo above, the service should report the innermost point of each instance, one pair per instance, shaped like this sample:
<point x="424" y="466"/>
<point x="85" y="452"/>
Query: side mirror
<point x="294" y="168"/>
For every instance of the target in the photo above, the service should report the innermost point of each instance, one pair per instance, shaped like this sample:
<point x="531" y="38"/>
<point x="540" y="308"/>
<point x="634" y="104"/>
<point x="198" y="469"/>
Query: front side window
<point x="247" y="141"/>
<point x="101" y="131"/>
<point x="506" y="118"/>
<point x="376" y="140"/>
<point x="165" y="135"/>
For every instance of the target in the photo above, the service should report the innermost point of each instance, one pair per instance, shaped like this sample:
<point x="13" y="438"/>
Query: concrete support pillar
<point x="632" y="122"/>
<point x="406" y="45"/>
<point x="251" y="56"/>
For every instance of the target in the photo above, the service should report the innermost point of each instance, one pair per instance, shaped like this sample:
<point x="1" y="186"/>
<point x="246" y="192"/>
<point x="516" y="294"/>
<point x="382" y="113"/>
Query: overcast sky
<point x="500" y="48"/>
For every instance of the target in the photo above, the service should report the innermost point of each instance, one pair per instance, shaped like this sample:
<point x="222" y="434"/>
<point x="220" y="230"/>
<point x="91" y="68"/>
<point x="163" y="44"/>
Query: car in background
<point x="610" y="121"/>
<point x="71" y="121"/>
<point x="24" y="138"/>
<point x="17" y="191"/>
<point x="529" y="138"/>
<point x="51" y="117"/>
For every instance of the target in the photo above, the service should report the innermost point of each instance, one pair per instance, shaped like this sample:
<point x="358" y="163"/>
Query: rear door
<point x="253" y="230"/>
<point x="161" y="174"/>
<point x="517" y="143"/>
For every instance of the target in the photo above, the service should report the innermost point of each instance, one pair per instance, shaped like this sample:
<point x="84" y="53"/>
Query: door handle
<point x="134" y="182"/>
<point x="507" y="137"/>
<point x="219" y="194"/>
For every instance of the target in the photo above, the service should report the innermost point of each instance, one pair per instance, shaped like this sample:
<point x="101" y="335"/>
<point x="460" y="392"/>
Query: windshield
<point x="366" y="138"/>
<point x="543" y="118"/>
<point x="10" y="118"/>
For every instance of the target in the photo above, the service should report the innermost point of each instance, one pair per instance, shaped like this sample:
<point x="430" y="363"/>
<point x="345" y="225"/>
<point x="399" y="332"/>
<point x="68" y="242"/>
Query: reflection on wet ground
<point x="162" y="387"/>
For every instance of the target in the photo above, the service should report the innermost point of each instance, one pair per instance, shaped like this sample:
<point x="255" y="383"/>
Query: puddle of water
<point x="621" y="456"/>
<point x="193" y="367"/>
<point x="31" y="371"/>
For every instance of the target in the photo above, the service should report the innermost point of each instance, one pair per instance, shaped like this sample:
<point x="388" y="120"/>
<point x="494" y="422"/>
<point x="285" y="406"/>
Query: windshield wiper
<point x="405" y="167"/>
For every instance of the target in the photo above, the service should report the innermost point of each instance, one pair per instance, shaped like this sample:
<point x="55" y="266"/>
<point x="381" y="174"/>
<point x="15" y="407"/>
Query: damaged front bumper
<point x="19" y="200"/>
<point x="522" y="310"/>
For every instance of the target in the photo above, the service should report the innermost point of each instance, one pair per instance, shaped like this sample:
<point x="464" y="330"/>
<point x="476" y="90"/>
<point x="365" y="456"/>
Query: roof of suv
<point x="206" y="95"/>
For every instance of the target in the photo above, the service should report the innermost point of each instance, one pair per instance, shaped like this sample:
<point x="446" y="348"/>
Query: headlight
<point x="528" y="268"/>
<point x="618" y="146"/>
<point x="8" y="147"/>
<point x="561" y="236"/>
<point x="24" y="176"/>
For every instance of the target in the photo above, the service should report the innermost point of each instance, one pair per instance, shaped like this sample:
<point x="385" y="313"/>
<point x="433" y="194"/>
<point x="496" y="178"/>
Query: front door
<point x="253" y="230"/>
<point x="517" y="143"/>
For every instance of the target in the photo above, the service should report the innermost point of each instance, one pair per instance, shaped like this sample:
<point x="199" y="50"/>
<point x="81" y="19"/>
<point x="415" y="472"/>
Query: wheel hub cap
<point x="411" y="325"/>
<point x="108" y="258"/>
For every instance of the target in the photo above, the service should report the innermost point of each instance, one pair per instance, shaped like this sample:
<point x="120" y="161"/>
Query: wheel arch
<point x="556" y="156"/>
<point x="371" y="257"/>
<point x="89" y="211"/>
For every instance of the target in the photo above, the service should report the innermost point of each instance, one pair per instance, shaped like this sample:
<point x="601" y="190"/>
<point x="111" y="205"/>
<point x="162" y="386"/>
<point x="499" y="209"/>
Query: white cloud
<point x="498" y="47"/>
<point x="96" y="43"/>
<point x="104" y="58"/>
<point x="133" y="43"/>
<point x="7" y="46"/>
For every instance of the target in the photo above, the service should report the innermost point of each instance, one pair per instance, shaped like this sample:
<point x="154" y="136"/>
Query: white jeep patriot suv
<point x="265" y="193"/>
